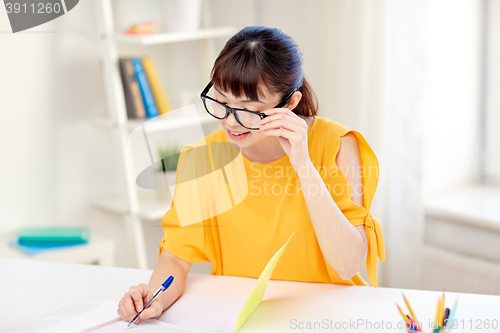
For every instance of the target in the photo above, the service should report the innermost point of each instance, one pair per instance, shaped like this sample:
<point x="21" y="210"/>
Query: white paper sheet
<point x="205" y="313"/>
<point x="72" y="317"/>
<point x="98" y="316"/>
<point x="144" y="326"/>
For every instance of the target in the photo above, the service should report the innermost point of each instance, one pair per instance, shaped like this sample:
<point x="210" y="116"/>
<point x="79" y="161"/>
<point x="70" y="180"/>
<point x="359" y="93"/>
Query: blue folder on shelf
<point x="37" y="240"/>
<point x="33" y="249"/>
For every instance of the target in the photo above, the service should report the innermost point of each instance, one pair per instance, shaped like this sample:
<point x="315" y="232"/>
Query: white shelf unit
<point x="173" y="37"/>
<point x="128" y="203"/>
<point x="150" y="208"/>
<point x="166" y="124"/>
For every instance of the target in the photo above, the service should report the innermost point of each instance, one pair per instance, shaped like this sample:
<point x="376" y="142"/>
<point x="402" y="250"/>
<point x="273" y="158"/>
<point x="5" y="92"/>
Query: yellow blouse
<point x="241" y="240"/>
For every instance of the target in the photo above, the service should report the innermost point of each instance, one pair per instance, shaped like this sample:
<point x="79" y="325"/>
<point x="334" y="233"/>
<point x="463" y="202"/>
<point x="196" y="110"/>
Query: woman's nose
<point x="231" y="121"/>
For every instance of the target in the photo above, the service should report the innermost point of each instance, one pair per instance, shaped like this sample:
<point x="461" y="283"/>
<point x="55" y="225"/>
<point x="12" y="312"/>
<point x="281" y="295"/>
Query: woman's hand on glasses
<point x="291" y="131"/>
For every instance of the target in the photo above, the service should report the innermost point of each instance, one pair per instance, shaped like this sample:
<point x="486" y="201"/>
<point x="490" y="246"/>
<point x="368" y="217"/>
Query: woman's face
<point x="237" y="134"/>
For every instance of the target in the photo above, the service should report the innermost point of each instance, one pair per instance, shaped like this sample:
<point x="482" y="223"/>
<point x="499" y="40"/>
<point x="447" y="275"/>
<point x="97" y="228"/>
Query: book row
<point x="144" y="93"/>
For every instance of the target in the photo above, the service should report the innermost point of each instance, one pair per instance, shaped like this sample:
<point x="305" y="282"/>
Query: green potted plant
<point x="168" y="158"/>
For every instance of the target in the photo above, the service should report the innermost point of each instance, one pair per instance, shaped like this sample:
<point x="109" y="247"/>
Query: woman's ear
<point x="294" y="100"/>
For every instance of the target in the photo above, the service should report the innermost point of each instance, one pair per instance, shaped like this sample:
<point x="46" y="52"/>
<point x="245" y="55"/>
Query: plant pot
<point x="162" y="179"/>
<point x="182" y="15"/>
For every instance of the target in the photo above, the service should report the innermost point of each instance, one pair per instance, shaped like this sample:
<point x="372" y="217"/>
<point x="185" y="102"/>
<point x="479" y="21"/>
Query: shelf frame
<point x="167" y="124"/>
<point x="118" y="115"/>
<point x="175" y="37"/>
<point x="129" y="205"/>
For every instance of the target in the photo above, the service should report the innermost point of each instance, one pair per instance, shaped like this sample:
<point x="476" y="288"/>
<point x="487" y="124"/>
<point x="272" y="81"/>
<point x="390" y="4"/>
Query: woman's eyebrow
<point x="220" y="92"/>
<point x="243" y="101"/>
<point x="251" y="101"/>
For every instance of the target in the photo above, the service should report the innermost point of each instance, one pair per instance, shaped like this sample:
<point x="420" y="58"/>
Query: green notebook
<point x="54" y="235"/>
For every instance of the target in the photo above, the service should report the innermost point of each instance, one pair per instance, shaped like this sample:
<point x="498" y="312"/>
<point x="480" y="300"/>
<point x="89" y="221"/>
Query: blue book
<point x="33" y="249"/>
<point x="48" y="235"/>
<point x="146" y="92"/>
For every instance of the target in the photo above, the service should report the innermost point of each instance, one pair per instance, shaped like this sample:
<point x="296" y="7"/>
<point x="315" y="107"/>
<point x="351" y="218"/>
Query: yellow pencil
<point x="436" y="317"/>
<point x="440" y="313"/>
<point x="411" y="311"/>
<point x="402" y="314"/>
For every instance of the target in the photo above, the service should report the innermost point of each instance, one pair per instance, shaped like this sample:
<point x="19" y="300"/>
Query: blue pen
<point x="162" y="288"/>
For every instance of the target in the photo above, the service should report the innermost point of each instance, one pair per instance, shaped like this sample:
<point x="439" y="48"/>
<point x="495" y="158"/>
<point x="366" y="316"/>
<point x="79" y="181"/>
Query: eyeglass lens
<point x="218" y="110"/>
<point x="247" y="119"/>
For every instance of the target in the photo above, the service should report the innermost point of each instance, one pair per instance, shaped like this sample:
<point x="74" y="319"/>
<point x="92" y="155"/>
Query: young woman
<point x="305" y="173"/>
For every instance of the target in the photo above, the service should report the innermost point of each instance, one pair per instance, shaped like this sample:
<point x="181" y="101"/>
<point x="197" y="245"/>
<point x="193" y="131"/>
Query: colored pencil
<point x="436" y="316"/>
<point x="452" y="314"/>
<point x="411" y="311"/>
<point x="402" y="314"/>
<point x="441" y="312"/>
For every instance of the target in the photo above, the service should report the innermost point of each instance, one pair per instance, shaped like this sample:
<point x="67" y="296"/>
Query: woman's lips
<point x="238" y="135"/>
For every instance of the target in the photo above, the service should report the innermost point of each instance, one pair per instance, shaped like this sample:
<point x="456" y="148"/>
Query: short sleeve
<point x="190" y="243"/>
<point x="193" y="242"/>
<point x="338" y="186"/>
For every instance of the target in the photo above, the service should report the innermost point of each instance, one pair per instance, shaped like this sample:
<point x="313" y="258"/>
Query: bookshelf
<point x="133" y="207"/>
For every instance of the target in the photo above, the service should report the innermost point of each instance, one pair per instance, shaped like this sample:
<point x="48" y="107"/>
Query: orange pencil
<point x="411" y="311"/>
<point x="402" y="314"/>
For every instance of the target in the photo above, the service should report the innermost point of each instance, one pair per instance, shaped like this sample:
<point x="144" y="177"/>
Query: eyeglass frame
<point x="229" y="110"/>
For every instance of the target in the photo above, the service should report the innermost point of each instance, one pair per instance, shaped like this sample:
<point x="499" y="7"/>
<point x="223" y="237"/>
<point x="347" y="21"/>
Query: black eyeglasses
<point x="246" y="118"/>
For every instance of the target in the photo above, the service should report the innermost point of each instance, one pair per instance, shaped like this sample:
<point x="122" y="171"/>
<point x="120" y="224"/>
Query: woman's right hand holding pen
<point x="167" y="267"/>
<point x="133" y="302"/>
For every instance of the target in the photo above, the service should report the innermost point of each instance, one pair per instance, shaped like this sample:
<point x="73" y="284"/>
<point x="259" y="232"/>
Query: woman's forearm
<point x="341" y="244"/>
<point x="168" y="265"/>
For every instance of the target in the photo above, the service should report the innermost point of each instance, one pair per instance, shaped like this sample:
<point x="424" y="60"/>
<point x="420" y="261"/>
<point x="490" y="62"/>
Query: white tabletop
<point x="29" y="288"/>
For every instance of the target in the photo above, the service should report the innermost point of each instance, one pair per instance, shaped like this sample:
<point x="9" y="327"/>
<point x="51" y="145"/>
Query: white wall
<point x="403" y="93"/>
<point x="54" y="160"/>
<point x="492" y="135"/>
<point x="451" y="140"/>
<point x="28" y="127"/>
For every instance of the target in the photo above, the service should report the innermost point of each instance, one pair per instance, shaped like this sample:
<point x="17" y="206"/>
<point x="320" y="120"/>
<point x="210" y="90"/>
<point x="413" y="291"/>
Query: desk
<point x="29" y="287"/>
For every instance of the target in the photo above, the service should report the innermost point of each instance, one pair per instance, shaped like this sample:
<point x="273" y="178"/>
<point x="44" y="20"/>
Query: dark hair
<point x="258" y="56"/>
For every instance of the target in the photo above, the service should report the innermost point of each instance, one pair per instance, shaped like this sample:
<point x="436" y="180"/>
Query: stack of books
<point x="143" y="28"/>
<point x="36" y="240"/>
<point x="144" y="93"/>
